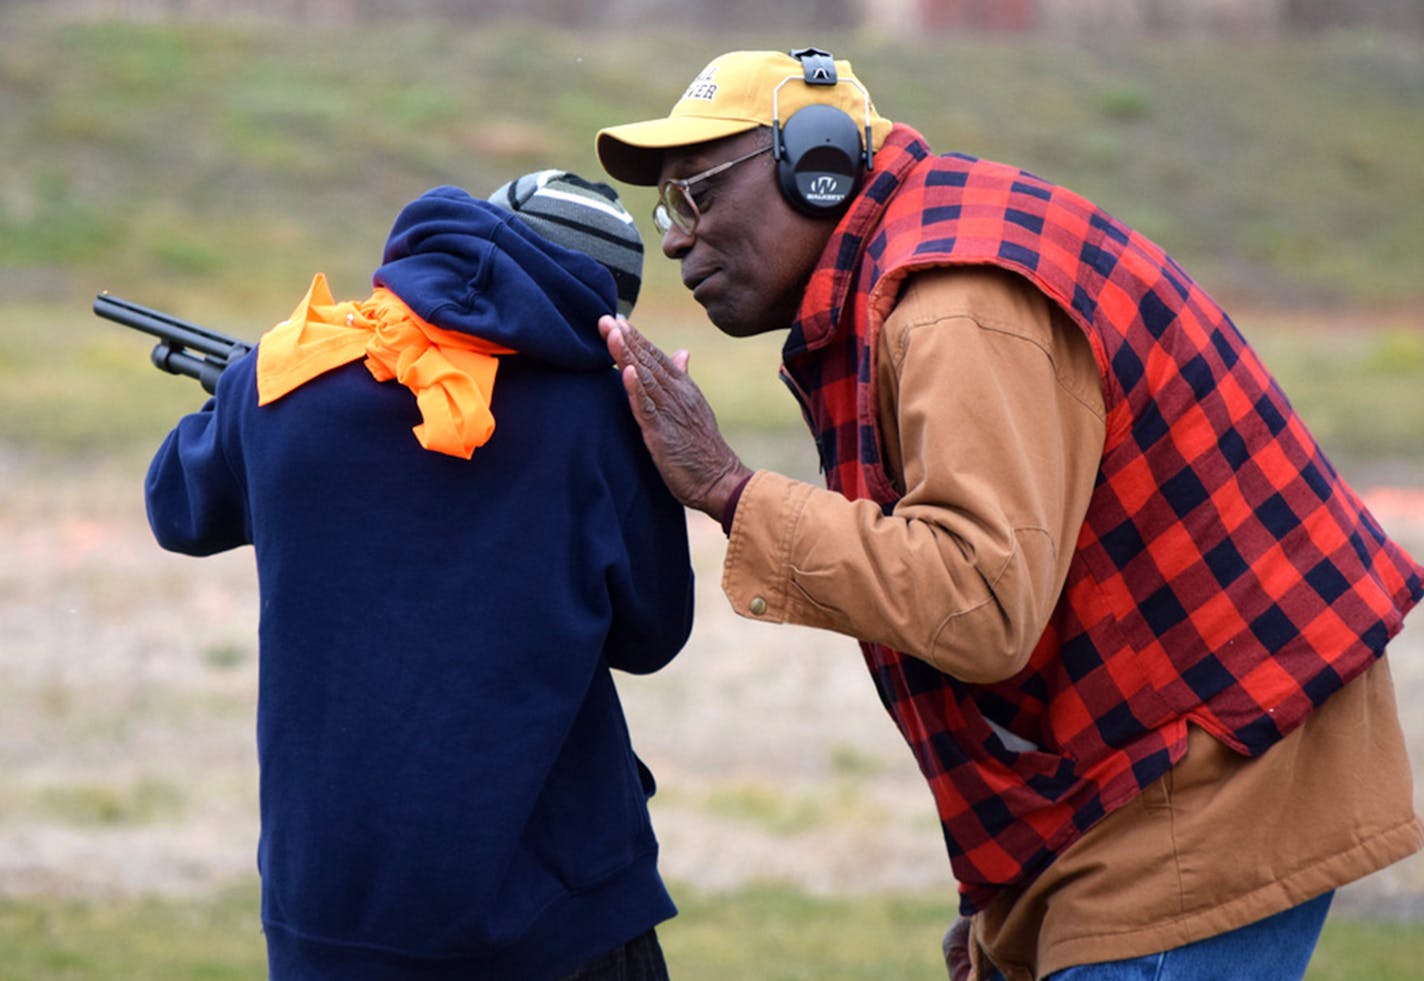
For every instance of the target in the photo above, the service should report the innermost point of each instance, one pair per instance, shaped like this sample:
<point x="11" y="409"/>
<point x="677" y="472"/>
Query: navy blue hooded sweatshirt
<point x="448" y="788"/>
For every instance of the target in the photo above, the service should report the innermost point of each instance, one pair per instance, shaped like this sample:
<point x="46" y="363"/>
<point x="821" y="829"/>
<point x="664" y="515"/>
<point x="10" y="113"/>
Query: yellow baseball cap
<point x="736" y="92"/>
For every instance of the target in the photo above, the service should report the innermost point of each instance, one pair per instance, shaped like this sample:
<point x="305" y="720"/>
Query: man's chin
<point x="719" y="317"/>
<point x="727" y="320"/>
<point x="743" y="329"/>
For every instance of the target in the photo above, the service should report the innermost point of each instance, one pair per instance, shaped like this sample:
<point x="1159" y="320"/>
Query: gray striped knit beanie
<point x="583" y="216"/>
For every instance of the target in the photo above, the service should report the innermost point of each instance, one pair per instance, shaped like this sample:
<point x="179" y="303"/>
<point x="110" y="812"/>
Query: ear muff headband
<point x="820" y="153"/>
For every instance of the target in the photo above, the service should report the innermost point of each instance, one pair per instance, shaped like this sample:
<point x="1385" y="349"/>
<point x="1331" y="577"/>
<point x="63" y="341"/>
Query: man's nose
<point x="676" y="242"/>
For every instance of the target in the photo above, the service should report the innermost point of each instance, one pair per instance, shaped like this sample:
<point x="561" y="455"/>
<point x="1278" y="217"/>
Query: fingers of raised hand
<point x="659" y="376"/>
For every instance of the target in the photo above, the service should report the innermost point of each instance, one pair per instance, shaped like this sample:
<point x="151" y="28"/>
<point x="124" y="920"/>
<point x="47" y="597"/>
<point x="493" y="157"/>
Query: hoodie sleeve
<point x="652" y="588"/>
<point x="196" y="502"/>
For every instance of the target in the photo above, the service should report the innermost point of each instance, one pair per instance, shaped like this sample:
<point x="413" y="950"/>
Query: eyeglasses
<point x="675" y="204"/>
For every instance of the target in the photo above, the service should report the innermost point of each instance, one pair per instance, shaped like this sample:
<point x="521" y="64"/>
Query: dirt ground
<point x="128" y="677"/>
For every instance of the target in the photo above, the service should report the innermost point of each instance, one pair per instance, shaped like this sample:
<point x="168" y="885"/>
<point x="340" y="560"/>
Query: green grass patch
<point x="1354" y="949"/>
<point x="782" y="811"/>
<point x="852" y="763"/>
<point x="210" y="169"/>
<point x="769" y="808"/>
<point x="228" y="655"/>
<point x="215" y="938"/>
<point x="760" y="933"/>
<point x="75" y="385"/>
<point x="79" y="386"/>
<point x="1278" y="172"/>
<point x="1357" y="382"/>
<point x="145" y="801"/>
<point x="777" y="932"/>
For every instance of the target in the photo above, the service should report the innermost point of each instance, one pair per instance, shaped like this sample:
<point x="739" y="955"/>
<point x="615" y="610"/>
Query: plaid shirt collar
<point x="832" y="281"/>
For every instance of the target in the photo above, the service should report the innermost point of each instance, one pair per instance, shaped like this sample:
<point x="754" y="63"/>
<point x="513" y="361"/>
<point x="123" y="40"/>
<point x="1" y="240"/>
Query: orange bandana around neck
<point x="451" y="374"/>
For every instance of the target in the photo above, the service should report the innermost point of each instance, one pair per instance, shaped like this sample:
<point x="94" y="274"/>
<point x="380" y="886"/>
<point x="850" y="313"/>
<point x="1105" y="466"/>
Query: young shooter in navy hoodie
<point x="458" y="533"/>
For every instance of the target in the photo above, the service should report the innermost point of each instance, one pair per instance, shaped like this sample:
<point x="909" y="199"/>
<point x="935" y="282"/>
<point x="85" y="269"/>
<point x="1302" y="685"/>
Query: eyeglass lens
<point x="675" y="207"/>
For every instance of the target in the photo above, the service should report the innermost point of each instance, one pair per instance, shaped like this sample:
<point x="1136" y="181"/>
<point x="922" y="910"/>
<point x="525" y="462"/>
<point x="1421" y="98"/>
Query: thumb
<point x="681" y="359"/>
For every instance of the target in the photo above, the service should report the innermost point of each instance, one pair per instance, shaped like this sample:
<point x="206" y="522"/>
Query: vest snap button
<point x="757" y="606"/>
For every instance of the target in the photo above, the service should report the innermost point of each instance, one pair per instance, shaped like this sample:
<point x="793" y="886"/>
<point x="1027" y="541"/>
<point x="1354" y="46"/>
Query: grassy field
<point x="204" y="164"/>
<point x="766" y="933"/>
<point x="210" y="169"/>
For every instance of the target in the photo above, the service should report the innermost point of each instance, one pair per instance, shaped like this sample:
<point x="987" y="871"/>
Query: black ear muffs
<point x="818" y="160"/>
<point x="820" y="156"/>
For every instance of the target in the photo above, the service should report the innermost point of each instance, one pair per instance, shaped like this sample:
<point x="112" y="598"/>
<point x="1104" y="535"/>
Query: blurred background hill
<point x="1061" y="18"/>
<point x="206" y="157"/>
<point x="220" y="144"/>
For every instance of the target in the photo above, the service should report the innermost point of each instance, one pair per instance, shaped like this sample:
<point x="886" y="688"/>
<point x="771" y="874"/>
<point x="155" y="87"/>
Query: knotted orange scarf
<point x="450" y="373"/>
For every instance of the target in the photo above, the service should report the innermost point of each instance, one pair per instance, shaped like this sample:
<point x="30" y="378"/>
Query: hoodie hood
<point x="466" y="265"/>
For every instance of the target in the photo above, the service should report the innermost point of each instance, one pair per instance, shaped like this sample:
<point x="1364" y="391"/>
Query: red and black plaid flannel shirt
<point x="1225" y="574"/>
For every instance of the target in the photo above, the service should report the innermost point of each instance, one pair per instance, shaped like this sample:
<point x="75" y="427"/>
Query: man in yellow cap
<point x="1128" y="617"/>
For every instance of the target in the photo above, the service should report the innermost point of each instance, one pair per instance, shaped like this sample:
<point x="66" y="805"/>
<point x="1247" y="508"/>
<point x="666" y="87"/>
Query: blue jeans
<point x="1277" y="948"/>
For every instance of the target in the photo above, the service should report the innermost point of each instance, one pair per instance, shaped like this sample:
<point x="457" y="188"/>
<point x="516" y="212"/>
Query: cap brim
<point x="633" y="153"/>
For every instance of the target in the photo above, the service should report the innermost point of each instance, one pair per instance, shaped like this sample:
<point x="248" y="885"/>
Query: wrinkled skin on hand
<point x="679" y="426"/>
